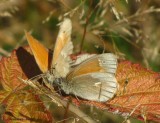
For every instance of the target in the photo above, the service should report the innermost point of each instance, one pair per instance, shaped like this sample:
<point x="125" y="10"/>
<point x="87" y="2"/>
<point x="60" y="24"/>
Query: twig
<point x="4" y="52"/>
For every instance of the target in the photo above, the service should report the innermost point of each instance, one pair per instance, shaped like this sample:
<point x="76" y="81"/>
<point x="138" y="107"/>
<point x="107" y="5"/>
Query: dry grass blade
<point x="49" y="91"/>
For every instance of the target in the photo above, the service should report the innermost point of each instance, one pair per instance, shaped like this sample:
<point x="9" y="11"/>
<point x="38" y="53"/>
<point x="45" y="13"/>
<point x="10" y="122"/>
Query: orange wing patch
<point x="63" y="38"/>
<point x="60" y="44"/>
<point x="39" y="51"/>
<point x="86" y="67"/>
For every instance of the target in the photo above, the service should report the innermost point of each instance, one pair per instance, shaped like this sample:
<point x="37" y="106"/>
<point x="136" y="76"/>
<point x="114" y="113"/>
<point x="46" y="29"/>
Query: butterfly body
<point x="91" y="78"/>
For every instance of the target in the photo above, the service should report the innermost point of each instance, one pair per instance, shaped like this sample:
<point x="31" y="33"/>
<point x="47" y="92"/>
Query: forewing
<point x="106" y="63"/>
<point x="63" y="48"/>
<point x="95" y="86"/>
<point x="81" y="58"/>
<point x="39" y="51"/>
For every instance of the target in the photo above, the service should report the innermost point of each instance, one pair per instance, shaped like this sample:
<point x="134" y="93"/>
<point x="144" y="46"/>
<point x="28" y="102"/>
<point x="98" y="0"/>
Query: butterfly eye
<point x="58" y="81"/>
<point x="50" y="77"/>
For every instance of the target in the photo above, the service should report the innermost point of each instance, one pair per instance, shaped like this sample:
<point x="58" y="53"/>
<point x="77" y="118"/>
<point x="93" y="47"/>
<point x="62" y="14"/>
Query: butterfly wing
<point x="94" y="79"/>
<point x="94" y="86"/>
<point x="106" y="62"/>
<point x="63" y="48"/>
<point x="39" y="51"/>
<point x="81" y="58"/>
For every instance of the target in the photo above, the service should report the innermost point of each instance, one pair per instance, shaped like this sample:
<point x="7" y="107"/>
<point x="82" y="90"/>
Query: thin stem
<point x="85" y="28"/>
<point x="135" y="15"/>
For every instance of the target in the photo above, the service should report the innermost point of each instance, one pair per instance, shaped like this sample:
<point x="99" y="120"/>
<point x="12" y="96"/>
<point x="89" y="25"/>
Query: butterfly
<point x="91" y="77"/>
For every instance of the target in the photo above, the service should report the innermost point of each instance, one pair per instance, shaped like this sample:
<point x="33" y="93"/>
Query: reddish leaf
<point x="10" y="70"/>
<point x="138" y="93"/>
<point x="20" y="105"/>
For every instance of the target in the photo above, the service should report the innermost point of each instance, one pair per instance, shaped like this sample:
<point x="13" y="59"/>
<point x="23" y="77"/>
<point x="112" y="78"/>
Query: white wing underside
<point x="81" y="58"/>
<point x="95" y="86"/>
<point x="62" y="64"/>
<point x="107" y="61"/>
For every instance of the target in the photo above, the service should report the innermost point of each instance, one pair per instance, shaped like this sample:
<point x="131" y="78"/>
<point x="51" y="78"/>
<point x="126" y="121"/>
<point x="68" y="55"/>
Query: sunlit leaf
<point x="25" y="107"/>
<point x="20" y="105"/>
<point x="138" y="94"/>
<point x="10" y="70"/>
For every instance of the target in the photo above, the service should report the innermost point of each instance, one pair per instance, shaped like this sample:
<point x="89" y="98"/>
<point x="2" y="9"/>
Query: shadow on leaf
<point x="27" y="63"/>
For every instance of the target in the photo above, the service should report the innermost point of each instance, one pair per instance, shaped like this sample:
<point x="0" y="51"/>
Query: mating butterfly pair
<point x="91" y="78"/>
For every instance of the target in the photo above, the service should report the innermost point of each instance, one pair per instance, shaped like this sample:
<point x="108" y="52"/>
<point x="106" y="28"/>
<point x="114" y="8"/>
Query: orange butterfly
<point x="93" y="78"/>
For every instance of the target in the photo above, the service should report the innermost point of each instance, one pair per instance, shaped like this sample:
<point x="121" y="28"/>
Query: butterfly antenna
<point x="59" y="91"/>
<point x="37" y="77"/>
